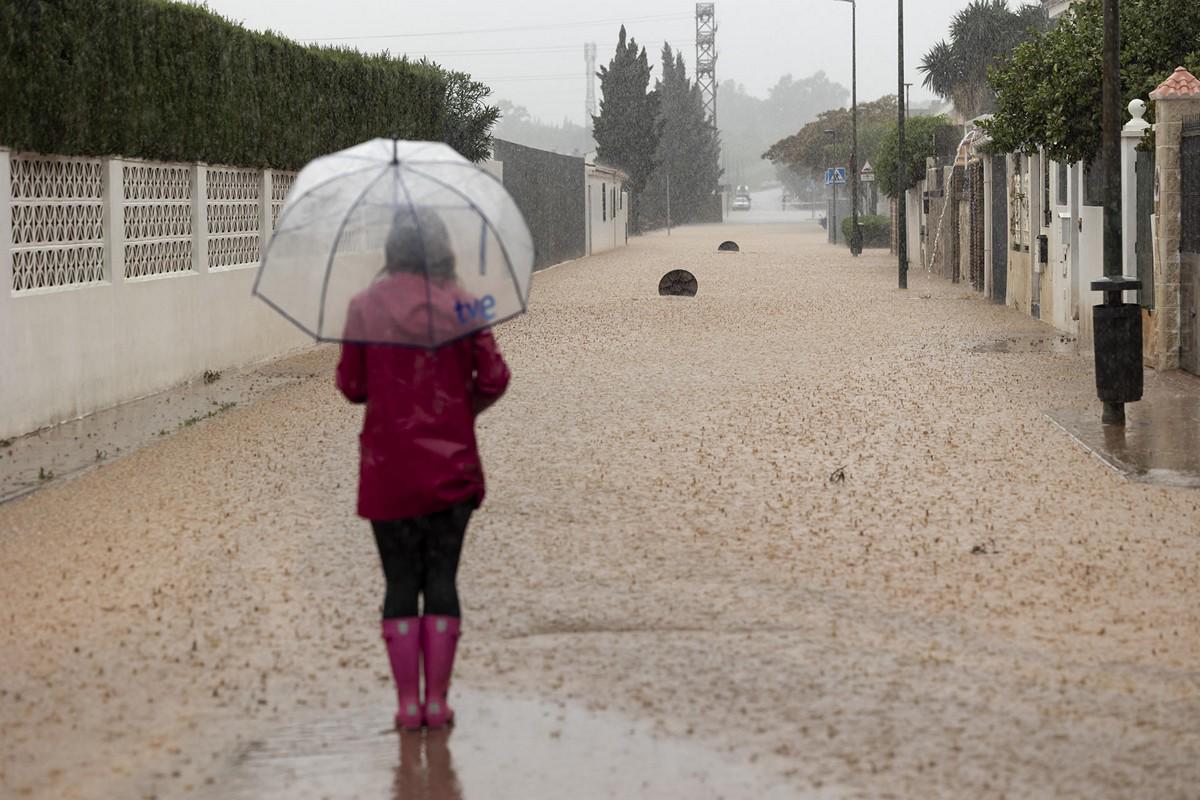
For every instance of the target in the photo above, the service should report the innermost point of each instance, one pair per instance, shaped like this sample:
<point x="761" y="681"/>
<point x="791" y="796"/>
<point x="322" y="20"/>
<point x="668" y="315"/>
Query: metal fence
<point x="1189" y="165"/>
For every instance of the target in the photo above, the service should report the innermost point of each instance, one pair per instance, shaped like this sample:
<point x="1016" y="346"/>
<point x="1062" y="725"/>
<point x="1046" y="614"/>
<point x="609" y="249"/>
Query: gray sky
<point x="542" y="67"/>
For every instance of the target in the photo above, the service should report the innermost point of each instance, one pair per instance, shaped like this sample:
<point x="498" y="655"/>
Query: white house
<point x="607" y="208"/>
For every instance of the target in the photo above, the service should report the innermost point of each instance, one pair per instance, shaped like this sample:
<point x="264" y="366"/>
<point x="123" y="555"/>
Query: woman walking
<point x="420" y="474"/>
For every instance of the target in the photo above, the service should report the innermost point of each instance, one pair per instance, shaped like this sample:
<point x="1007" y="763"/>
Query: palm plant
<point x="982" y="35"/>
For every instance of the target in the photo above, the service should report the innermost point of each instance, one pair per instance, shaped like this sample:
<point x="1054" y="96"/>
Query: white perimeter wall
<point x="122" y="278"/>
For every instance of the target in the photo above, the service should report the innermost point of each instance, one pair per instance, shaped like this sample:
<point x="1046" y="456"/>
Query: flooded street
<point x="801" y="535"/>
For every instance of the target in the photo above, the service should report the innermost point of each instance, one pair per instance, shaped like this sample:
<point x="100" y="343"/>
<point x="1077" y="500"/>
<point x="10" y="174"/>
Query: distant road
<point x="766" y="208"/>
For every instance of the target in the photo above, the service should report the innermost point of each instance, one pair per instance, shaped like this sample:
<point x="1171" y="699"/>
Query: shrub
<point x="170" y="81"/>
<point x="876" y="230"/>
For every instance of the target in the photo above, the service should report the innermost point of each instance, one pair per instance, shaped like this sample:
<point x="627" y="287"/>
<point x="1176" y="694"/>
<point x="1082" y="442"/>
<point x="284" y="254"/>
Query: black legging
<point x="420" y="557"/>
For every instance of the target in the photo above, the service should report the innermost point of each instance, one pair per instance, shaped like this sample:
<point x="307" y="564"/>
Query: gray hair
<point x="419" y="243"/>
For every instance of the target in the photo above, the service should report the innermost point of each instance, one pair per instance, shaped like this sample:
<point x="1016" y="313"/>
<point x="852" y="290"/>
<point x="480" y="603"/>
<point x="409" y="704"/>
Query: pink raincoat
<point x="418" y="450"/>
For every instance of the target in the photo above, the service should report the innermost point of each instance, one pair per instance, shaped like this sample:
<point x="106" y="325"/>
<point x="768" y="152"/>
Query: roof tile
<point x="1181" y="85"/>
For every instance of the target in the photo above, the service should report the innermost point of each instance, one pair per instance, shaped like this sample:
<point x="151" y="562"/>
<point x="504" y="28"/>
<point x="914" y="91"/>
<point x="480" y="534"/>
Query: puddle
<point x="1052" y="343"/>
<point x="501" y="749"/>
<point x="35" y="460"/>
<point x="1160" y="441"/>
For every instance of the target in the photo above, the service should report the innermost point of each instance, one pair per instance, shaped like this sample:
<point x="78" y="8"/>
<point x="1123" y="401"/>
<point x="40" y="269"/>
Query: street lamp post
<point x="831" y="133"/>
<point x="855" y="232"/>
<point x="901" y="160"/>
<point x="1117" y="325"/>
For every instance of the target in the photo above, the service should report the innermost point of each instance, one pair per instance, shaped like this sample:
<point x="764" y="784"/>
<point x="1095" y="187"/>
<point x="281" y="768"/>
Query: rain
<point x="546" y="437"/>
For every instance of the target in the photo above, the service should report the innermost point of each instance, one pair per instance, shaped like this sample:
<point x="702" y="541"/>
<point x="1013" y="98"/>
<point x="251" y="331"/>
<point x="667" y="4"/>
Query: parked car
<point x="741" y="202"/>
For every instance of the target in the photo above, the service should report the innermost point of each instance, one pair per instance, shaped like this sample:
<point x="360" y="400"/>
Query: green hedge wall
<point x="164" y="80"/>
<point x="877" y="230"/>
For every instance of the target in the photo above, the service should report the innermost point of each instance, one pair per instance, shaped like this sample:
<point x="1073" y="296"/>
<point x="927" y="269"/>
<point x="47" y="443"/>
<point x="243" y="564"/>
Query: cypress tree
<point x="689" y="148"/>
<point x="626" y="129"/>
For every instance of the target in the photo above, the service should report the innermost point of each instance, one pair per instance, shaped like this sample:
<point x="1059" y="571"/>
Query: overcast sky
<point x="531" y="52"/>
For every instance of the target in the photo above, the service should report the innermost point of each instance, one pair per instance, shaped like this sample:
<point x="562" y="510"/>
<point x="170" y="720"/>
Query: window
<point x="1063" y="172"/>
<point x="604" y="202"/>
<point x="614" y="201"/>
<point x="1018" y="223"/>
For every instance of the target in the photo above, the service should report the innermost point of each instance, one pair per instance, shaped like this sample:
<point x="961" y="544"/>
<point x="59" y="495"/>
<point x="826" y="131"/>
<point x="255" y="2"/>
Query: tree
<point x="811" y="150"/>
<point x="1050" y="93"/>
<point x="689" y="149"/>
<point x="981" y="36"/>
<point x="469" y="119"/>
<point x="627" y="128"/>
<point x="925" y="137"/>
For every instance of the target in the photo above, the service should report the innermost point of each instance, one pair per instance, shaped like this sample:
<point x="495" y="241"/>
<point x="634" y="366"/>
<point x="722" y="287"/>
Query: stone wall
<point x="1178" y="99"/>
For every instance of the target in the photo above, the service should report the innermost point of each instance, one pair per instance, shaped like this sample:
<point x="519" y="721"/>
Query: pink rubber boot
<point x="403" y="637"/>
<point x="439" y="638"/>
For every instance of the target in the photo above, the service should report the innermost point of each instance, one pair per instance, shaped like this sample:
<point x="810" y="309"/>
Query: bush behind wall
<point x="164" y="80"/>
<point x="876" y="229"/>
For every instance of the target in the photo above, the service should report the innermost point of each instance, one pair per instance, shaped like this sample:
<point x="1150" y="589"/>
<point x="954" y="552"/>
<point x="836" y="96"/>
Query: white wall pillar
<point x="5" y="226"/>
<point x="986" y="222"/>
<point x="114" y="219"/>
<point x="6" y="267"/>
<point x="199" y="219"/>
<point x="264" y="211"/>
<point x="1131" y="135"/>
<point x="1080" y="298"/>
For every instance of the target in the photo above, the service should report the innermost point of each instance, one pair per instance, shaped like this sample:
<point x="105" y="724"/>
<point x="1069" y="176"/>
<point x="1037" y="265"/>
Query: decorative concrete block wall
<point x="122" y="278"/>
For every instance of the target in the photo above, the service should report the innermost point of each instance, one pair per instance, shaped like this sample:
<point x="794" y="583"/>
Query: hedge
<point x="169" y="81"/>
<point x="876" y="230"/>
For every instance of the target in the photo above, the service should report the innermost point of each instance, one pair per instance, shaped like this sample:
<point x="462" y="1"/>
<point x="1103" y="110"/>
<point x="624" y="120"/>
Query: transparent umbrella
<point x="397" y="242"/>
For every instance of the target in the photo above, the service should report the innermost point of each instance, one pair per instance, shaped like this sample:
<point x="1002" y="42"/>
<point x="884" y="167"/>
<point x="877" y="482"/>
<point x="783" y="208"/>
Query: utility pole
<point x="855" y="233"/>
<point x="901" y="158"/>
<point x="706" y="59"/>
<point x="1117" y="325"/>
<point x="589" y="56"/>
<point x="832" y="220"/>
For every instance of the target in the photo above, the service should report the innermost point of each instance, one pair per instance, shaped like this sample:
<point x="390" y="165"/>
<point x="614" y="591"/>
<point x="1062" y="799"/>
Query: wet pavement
<point x="1160" y="442"/>
<point x="789" y="537"/>
<point x="37" y="460"/>
<point x="504" y="748"/>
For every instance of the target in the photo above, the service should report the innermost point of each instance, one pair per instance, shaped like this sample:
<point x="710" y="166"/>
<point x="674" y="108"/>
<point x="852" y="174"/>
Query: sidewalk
<point x="978" y="607"/>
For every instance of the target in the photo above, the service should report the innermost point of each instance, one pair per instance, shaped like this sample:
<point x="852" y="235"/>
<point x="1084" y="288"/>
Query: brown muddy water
<point x="505" y="748"/>
<point x="787" y="530"/>
<point x="41" y="458"/>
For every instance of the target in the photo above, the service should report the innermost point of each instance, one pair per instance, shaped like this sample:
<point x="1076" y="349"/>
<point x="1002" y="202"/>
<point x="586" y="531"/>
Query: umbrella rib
<point x="483" y="246"/>
<point x="499" y="239"/>
<point x="333" y="249"/>
<point x="280" y="229"/>
<point x="283" y="215"/>
<point x="424" y="255"/>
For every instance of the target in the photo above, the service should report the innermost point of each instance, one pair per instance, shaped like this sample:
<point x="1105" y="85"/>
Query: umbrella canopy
<point x="396" y="242"/>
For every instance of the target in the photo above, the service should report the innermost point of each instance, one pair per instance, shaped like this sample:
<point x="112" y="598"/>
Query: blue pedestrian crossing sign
<point x="835" y="176"/>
